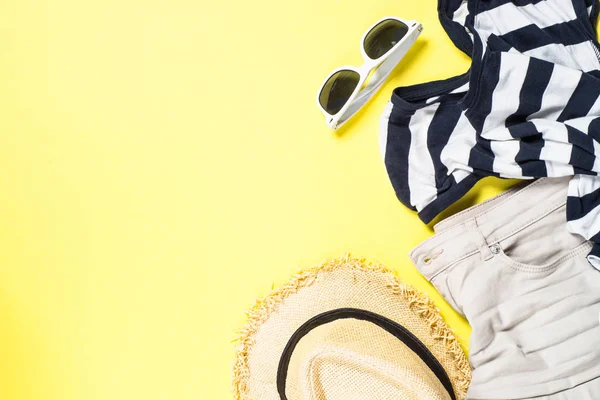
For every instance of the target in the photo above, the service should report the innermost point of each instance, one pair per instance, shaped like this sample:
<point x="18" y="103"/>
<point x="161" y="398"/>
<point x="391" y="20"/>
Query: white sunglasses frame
<point x="384" y="65"/>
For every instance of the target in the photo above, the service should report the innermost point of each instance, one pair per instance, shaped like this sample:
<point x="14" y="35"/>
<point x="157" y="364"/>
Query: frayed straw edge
<point x="425" y="307"/>
<point x="417" y="301"/>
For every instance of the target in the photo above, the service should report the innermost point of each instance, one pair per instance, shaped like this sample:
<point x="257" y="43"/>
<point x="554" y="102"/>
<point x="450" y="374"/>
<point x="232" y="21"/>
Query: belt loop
<point x="481" y="243"/>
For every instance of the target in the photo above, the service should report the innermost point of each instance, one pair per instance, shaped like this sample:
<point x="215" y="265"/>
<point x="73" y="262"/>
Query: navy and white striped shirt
<point x="529" y="107"/>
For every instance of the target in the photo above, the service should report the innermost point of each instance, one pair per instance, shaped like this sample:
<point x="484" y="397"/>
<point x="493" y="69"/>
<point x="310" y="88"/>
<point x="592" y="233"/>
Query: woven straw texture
<point x="337" y="359"/>
<point x="352" y="359"/>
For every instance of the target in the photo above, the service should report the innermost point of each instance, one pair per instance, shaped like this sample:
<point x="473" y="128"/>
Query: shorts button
<point x="495" y="249"/>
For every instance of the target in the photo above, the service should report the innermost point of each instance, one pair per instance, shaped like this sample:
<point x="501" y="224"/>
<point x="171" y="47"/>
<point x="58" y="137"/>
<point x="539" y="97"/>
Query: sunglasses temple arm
<point x="379" y="77"/>
<point x="376" y="81"/>
<point x="386" y="67"/>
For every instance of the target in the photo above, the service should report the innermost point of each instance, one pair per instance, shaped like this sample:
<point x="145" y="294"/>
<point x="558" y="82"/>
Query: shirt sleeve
<point x="541" y="119"/>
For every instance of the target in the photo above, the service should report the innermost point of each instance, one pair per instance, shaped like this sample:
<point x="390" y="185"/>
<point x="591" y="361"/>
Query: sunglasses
<point x="344" y="92"/>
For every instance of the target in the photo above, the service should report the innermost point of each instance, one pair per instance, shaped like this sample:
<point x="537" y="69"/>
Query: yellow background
<point x="163" y="163"/>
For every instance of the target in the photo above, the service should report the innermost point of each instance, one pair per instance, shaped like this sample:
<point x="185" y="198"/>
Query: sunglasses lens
<point x="383" y="37"/>
<point x="337" y="90"/>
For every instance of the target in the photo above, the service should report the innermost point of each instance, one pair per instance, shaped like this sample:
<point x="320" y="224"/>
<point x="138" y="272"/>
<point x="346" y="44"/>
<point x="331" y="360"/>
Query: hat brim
<point x="338" y="284"/>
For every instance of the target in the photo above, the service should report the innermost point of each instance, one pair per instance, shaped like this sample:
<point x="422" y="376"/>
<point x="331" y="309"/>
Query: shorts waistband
<point x="479" y="228"/>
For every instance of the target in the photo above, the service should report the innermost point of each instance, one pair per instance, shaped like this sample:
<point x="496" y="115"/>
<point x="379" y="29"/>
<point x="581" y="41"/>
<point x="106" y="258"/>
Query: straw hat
<point x="347" y="330"/>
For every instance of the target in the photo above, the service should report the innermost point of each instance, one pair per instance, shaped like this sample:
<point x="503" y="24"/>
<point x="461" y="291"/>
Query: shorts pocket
<point x="541" y="244"/>
<point x="561" y="257"/>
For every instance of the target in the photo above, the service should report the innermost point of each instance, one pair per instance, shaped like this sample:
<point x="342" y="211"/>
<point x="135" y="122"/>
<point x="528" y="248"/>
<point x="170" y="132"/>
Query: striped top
<point x="529" y="107"/>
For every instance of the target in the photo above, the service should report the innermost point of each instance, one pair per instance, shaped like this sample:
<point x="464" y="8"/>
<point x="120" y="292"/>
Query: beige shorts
<point x="523" y="282"/>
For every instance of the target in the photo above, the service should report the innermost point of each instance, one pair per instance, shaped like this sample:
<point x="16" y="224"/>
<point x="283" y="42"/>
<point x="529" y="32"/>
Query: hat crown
<point x="355" y="359"/>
